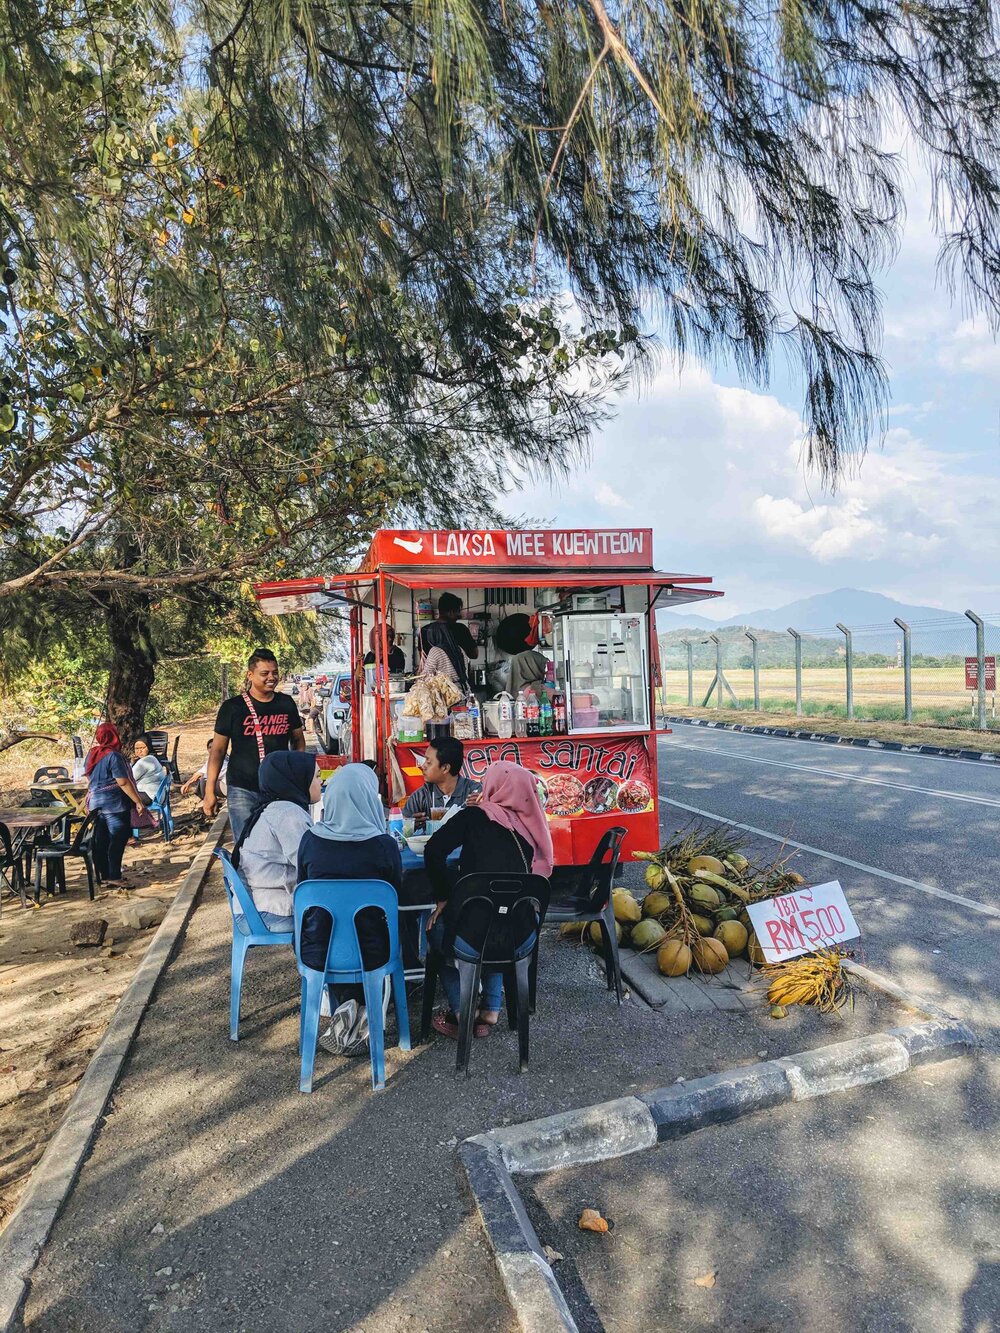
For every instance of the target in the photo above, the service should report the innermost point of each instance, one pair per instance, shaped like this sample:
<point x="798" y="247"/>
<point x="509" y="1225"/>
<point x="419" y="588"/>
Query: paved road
<point x="923" y="834"/>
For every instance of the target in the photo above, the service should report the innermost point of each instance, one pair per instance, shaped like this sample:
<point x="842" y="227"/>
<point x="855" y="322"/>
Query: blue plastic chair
<point x="160" y="805"/>
<point x="344" y="899"/>
<point x="251" y="934"/>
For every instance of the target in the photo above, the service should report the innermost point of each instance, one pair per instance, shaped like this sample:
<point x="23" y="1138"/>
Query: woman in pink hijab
<point x="505" y="830"/>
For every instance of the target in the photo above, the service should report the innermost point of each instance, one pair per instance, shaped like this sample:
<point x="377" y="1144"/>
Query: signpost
<point x="803" y="921"/>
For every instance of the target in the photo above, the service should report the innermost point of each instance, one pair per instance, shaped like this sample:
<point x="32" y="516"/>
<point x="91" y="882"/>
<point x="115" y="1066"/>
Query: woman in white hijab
<point x="350" y="842"/>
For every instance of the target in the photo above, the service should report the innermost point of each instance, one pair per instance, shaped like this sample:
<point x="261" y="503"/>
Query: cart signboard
<point x="989" y="672"/>
<point x="803" y="921"/>
<point x="519" y="548"/>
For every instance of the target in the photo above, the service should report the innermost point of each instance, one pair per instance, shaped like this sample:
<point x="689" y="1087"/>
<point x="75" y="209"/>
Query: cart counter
<point x="589" y="783"/>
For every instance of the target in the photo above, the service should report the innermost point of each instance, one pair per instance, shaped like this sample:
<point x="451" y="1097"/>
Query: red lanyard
<point x="256" y="725"/>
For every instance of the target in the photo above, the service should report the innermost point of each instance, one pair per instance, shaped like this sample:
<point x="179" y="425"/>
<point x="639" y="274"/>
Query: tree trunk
<point x="133" y="664"/>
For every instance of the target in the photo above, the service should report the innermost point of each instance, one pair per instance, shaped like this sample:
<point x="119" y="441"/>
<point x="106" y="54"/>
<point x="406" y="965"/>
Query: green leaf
<point x="77" y="392"/>
<point x="8" y="418"/>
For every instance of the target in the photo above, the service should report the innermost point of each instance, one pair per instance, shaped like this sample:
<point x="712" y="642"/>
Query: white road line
<point x="843" y="860"/>
<point x="846" y="777"/>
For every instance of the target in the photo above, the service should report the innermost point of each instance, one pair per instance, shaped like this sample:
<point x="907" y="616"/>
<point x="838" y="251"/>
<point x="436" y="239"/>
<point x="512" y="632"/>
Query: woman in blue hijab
<point x="350" y="842"/>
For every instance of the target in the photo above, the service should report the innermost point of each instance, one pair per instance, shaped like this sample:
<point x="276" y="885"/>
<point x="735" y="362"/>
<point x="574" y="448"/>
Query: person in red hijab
<point x="113" y="796"/>
<point x="505" y="830"/>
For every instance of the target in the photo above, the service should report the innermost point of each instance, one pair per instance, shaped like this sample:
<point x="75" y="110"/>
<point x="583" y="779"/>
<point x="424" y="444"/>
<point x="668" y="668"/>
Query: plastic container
<point x="436" y="727"/>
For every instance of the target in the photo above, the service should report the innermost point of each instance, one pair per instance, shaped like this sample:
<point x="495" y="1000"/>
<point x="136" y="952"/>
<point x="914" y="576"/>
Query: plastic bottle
<point x="559" y="727"/>
<point x="505" y="715"/>
<point x="545" y="717"/>
<point x="532" y="714"/>
<point x="475" y="717"/>
<point x="520" y="715"/>
<point x="396" y="824"/>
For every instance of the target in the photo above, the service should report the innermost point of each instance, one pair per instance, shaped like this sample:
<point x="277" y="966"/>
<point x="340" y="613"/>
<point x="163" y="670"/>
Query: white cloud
<point x="607" y="496"/>
<point x="971" y="347"/>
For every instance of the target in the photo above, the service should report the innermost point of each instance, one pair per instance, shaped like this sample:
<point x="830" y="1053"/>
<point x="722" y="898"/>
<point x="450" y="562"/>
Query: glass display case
<point x="601" y="666"/>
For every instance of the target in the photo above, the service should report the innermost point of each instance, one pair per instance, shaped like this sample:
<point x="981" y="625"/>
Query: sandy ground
<point x="56" y="999"/>
<point x="917" y="733"/>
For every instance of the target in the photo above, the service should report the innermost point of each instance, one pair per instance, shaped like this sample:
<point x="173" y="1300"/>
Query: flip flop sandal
<point x="483" y="1029"/>
<point x="446" y="1024"/>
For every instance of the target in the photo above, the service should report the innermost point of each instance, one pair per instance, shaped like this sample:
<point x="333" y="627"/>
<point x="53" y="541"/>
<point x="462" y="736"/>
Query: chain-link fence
<point x="925" y="671"/>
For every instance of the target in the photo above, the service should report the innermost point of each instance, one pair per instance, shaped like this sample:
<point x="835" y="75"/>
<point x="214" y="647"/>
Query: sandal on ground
<point x="483" y="1027"/>
<point x="446" y="1024"/>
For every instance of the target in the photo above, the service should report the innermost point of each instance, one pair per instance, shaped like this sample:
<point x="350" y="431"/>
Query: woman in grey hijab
<point x="350" y="842"/>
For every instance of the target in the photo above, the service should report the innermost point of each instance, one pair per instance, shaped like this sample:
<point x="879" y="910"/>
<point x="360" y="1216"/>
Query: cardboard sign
<point x="576" y="779"/>
<point x="799" y="922"/>
<point x="544" y="548"/>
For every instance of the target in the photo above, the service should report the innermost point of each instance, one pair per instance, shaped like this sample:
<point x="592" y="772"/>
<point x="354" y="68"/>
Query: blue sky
<point x="714" y="468"/>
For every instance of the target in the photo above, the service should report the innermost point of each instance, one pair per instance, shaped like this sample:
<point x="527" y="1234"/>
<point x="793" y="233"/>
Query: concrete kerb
<point x="31" y="1223"/>
<point x="827" y="738"/>
<point x="633" y="1124"/>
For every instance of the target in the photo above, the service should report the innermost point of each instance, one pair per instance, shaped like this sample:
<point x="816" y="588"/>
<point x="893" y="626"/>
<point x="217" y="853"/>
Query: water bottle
<point x="475" y="718"/>
<point x="545" y="717"/>
<point x="520" y="715"/>
<point x="505" y="715"/>
<point x="396" y="824"/>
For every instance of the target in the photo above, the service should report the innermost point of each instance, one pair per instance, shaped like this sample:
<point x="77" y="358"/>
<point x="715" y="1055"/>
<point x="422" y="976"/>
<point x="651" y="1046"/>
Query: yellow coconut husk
<point x="733" y="936"/>
<point x="673" y="958"/>
<point x="711" y="863"/>
<point x="572" y="929"/>
<point x="709" y="955"/>
<point x="704" y="925"/>
<point x="754" y="952"/>
<point x="626" y="908"/>
<point x="596" y="933"/>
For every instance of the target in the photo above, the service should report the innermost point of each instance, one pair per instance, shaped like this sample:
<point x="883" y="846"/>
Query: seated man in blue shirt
<point x="444" y="786"/>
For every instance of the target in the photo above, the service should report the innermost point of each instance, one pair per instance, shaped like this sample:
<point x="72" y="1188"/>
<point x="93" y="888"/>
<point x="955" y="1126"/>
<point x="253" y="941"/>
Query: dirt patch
<point x="56" y="999"/>
<point x="916" y="733"/>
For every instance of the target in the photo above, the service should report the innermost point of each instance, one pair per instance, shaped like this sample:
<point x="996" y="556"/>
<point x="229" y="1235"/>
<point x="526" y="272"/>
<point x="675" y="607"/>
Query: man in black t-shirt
<point x="254" y="724"/>
<point x="450" y="615"/>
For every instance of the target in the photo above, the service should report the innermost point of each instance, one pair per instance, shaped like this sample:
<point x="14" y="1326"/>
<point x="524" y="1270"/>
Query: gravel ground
<point x="342" y="1209"/>
<point x="872" y="1210"/>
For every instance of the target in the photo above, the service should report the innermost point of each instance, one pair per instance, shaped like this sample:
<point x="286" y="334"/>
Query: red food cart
<point x="592" y="593"/>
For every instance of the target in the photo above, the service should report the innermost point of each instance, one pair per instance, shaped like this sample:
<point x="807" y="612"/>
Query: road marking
<point x="846" y="777"/>
<point x="843" y="860"/>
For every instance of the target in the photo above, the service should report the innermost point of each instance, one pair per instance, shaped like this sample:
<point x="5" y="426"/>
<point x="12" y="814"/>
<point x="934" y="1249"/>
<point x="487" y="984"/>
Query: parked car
<point x="334" y="721"/>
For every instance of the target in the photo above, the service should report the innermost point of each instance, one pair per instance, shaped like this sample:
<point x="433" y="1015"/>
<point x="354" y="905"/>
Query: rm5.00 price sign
<point x="797" y="923"/>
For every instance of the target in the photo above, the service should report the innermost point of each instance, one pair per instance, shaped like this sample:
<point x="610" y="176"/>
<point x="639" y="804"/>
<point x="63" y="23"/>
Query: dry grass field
<point x="939" y="694"/>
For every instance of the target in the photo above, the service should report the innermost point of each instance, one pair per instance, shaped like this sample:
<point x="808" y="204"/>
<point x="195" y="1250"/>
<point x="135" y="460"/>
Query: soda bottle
<point x="545" y="717"/>
<point x="559" y="713"/>
<point x="520" y="715"/>
<point x="532" y="713"/>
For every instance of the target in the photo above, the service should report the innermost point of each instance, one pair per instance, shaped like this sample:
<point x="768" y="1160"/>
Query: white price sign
<point x="799" y="922"/>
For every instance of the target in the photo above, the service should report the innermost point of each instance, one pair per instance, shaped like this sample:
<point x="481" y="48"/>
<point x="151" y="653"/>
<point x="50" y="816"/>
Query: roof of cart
<point x="488" y="558"/>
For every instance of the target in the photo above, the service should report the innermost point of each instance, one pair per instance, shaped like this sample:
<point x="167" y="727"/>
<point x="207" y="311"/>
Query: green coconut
<point x="703" y="895"/>
<point x="703" y="924"/>
<point x="711" y="863"/>
<point x="647" y="934"/>
<point x="625" y="907"/>
<point x="656" y="903"/>
<point x="726" y="914"/>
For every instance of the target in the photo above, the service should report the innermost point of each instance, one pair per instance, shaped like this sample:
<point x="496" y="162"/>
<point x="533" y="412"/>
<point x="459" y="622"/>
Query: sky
<point x="715" y="468"/>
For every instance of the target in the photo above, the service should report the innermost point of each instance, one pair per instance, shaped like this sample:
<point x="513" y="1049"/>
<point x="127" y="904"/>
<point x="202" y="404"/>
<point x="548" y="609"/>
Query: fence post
<point x="798" y="670"/>
<point x="981" y="668"/>
<point x="224" y="681"/>
<point x="907" y="670"/>
<point x="756" y="670"/>
<point x="687" y="645"/>
<point x="850" y="669"/>
<point x="718" y="669"/>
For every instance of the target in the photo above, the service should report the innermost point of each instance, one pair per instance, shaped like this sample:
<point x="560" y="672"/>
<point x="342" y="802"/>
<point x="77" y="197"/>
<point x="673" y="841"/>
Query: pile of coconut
<point x="694" y="915"/>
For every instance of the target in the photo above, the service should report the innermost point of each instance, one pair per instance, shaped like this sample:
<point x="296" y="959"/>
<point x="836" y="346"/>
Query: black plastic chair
<point x="51" y="773"/>
<point x="159" y="743"/>
<point x="591" y="901"/>
<point x="77" y="746"/>
<point x="53" y="856"/>
<point x="172" y="765"/>
<point x="11" y="871"/>
<point x="516" y="904"/>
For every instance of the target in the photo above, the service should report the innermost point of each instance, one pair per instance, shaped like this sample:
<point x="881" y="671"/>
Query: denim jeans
<point x="279" y="924"/>
<point x="111" y="831"/>
<point x="241" y="805"/>
<point x="491" y="978"/>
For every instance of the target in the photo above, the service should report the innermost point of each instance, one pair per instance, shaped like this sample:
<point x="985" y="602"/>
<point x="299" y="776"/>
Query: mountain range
<point x="934" y="631"/>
